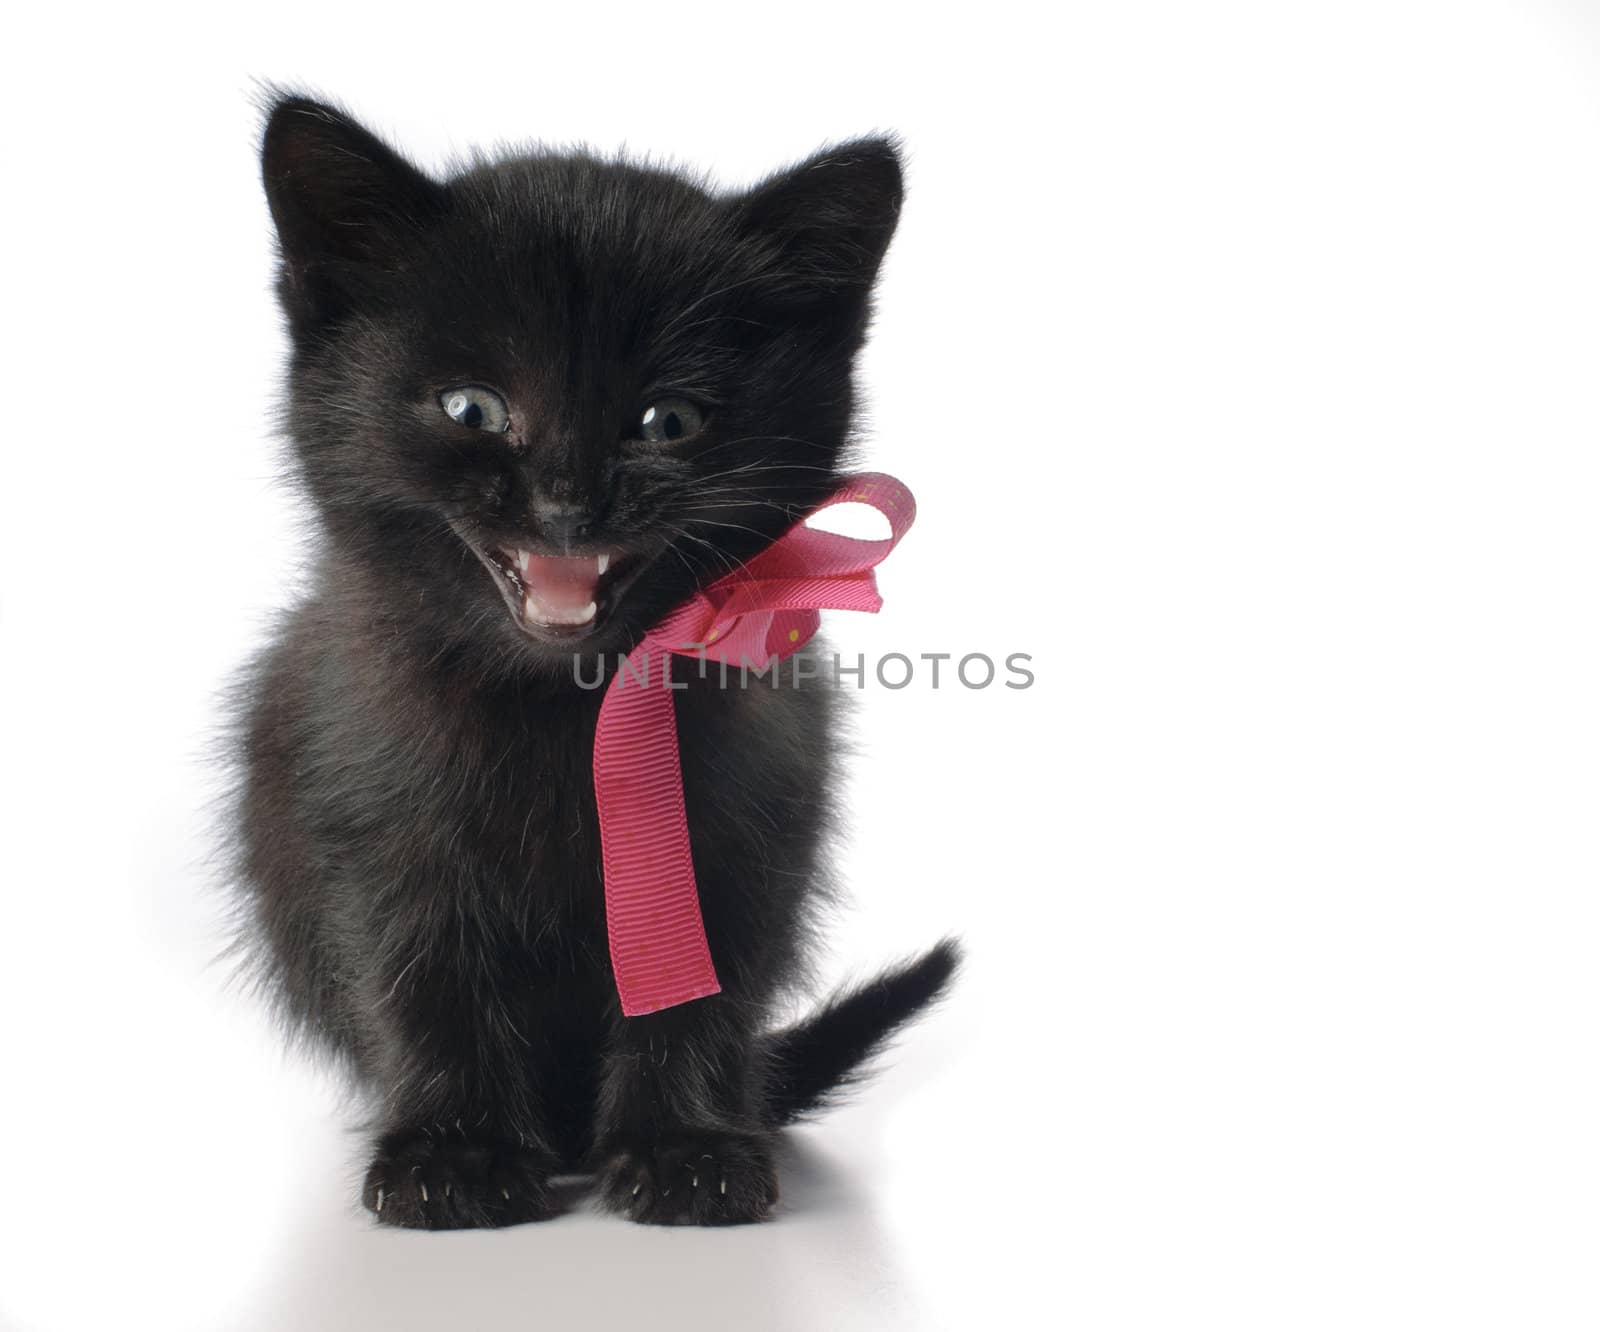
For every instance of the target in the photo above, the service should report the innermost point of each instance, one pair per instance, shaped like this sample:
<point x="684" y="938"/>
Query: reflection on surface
<point x="823" y="1262"/>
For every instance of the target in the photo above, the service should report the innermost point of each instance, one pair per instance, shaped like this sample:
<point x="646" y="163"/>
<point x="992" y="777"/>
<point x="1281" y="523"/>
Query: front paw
<point x="690" y="1178"/>
<point x="435" y="1180"/>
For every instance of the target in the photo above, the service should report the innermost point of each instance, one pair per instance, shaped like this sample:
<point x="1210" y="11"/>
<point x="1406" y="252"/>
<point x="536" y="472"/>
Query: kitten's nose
<point x="561" y="522"/>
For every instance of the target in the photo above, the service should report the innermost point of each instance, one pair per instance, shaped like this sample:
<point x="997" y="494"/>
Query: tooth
<point x="523" y="556"/>
<point x="537" y="611"/>
<point x="603" y="563"/>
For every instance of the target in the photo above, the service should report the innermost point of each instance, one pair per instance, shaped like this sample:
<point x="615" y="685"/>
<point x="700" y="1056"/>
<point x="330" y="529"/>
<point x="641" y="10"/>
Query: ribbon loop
<point x="766" y="609"/>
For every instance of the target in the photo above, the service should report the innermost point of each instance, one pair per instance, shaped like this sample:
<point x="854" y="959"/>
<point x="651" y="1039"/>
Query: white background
<point x="1242" y="358"/>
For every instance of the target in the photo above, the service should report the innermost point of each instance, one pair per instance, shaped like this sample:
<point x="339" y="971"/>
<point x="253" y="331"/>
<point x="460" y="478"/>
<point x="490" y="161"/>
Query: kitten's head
<point x="540" y="400"/>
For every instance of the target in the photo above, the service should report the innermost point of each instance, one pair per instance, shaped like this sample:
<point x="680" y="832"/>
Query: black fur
<point x="416" y="832"/>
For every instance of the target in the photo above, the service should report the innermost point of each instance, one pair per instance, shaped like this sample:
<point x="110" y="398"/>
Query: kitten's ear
<point x="344" y="204"/>
<point x="831" y="219"/>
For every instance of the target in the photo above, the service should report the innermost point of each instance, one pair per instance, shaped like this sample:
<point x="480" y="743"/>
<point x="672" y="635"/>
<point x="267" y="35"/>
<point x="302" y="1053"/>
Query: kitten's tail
<point x="815" y="1060"/>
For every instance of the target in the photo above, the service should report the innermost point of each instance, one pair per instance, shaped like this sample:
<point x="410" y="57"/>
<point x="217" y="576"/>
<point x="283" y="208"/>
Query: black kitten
<point x="533" y="406"/>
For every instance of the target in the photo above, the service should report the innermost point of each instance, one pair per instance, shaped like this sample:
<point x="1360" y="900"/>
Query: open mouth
<point x="559" y="596"/>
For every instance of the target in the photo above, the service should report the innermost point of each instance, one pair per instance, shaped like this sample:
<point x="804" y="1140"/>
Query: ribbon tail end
<point x="655" y="1004"/>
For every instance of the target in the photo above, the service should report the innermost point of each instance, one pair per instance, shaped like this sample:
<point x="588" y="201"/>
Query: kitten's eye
<point x="670" y="419"/>
<point x="475" y="406"/>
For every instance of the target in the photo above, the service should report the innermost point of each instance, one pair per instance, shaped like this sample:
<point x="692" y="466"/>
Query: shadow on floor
<point x="823" y="1262"/>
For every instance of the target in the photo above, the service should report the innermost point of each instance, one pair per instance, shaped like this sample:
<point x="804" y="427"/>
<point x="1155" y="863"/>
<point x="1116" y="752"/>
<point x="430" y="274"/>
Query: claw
<point x="424" y="1193"/>
<point x="504" y="1193"/>
<point x="723" y="1188"/>
<point x="380" y="1198"/>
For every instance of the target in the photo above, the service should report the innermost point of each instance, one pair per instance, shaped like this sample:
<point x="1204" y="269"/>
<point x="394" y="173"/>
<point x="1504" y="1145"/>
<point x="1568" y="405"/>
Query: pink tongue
<point x="560" y="582"/>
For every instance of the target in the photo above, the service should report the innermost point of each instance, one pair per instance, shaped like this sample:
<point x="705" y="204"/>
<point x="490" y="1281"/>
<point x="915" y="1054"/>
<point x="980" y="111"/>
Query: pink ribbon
<point x="765" y="609"/>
